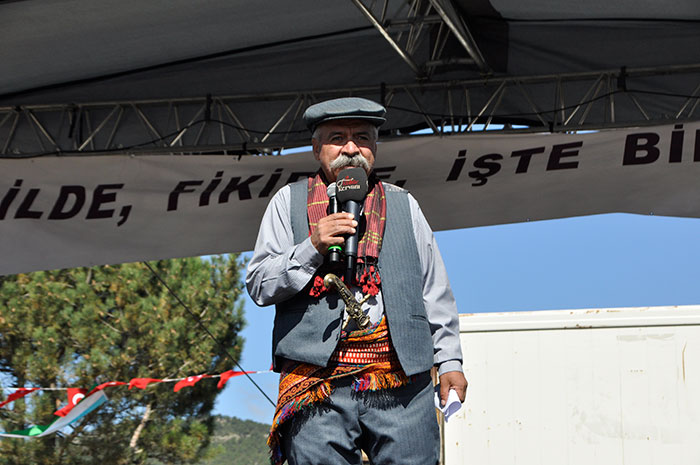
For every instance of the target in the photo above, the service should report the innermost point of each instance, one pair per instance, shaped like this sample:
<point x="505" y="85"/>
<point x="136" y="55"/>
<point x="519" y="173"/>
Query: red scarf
<point x="367" y="274"/>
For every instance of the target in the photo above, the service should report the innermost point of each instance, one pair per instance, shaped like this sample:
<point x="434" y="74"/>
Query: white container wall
<point x="579" y="387"/>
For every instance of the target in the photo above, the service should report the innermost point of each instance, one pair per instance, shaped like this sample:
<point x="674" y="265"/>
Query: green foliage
<point x="234" y="442"/>
<point x="85" y="326"/>
<point x="238" y="442"/>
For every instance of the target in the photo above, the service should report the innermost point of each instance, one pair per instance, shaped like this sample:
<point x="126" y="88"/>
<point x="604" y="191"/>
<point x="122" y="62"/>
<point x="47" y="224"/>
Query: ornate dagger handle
<point x="352" y="306"/>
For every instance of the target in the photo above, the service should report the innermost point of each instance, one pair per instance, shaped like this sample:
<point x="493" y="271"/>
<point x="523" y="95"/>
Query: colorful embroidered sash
<point x="366" y="354"/>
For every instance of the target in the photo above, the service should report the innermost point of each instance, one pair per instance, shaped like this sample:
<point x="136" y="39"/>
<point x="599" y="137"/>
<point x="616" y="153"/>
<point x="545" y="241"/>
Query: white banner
<point x="63" y="212"/>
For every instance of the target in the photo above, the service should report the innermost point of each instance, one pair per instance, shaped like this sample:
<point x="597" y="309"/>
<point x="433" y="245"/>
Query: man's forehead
<point x="343" y="125"/>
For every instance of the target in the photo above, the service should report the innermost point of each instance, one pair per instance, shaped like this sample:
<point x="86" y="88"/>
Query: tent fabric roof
<point x="47" y="43"/>
<point x="52" y="42"/>
<point x="79" y="51"/>
<point x="539" y="10"/>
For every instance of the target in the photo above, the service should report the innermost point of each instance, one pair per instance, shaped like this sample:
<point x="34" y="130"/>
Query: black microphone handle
<point x="351" y="241"/>
<point x="351" y="261"/>
<point x="334" y="253"/>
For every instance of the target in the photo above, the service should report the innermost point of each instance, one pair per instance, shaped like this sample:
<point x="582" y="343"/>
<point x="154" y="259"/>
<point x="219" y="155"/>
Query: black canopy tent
<point x="230" y="76"/>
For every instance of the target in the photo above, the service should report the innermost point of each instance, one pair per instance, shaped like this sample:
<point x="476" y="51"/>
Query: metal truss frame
<point x="408" y="28"/>
<point x="216" y="124"/>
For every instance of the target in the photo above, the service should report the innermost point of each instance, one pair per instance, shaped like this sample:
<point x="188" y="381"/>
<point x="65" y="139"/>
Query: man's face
<point x="342" y="143"/>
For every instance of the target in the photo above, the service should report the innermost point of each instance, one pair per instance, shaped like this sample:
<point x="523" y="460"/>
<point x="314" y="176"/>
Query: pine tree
<point x="84" y="326"/>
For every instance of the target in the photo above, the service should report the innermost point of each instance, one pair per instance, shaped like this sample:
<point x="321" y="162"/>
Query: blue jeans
<point x="393" y="426"/>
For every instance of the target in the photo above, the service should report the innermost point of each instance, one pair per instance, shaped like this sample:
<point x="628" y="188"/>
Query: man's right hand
<point x="331" y="229"/>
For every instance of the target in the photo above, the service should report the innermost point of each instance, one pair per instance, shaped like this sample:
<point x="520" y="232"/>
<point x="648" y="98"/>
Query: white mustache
<point x="344" y="161"/>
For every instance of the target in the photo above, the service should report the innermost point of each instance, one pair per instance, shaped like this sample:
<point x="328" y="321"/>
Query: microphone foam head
<point x="352" y="185"/>
<point x="332" y="190"/>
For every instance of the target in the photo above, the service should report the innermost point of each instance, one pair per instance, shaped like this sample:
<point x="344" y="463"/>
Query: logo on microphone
<point x="348" y="183"/>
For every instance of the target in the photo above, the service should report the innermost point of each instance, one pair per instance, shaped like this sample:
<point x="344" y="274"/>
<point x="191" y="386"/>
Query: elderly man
<point x="344" y="389"/>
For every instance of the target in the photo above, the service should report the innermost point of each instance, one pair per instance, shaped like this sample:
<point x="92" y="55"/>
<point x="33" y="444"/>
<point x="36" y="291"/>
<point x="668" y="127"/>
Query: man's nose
<point x="350" y="148"/>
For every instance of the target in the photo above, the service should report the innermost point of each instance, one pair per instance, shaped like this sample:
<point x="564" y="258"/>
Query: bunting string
<point x="82" y="401"/>
<point x="140" y="383"/>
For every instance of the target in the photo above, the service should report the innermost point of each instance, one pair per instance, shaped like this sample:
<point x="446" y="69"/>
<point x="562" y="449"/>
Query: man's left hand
<point x="452" y="380"/>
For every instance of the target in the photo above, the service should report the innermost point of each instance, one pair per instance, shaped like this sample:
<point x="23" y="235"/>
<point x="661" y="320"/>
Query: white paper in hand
<point x="452" y="405"/>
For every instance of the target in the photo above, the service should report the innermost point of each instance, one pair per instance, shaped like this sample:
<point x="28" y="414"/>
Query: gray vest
<point x="307" y="329"/>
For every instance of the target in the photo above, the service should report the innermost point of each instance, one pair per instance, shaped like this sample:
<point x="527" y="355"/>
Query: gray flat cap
<point x="344" y="108"/>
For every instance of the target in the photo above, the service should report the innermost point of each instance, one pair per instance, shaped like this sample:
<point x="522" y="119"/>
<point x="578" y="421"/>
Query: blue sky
<point x="600" y="261"/>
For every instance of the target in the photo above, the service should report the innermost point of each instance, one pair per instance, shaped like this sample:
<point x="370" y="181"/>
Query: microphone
<point x="352" y="189"/>
<point x="334" y="251"/>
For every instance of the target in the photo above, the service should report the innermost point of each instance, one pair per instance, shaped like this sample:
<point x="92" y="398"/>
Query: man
<point x="343" y="390"/>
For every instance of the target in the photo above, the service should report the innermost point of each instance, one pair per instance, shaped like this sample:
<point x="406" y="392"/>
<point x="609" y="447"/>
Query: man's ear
<point x="316" y="145"/>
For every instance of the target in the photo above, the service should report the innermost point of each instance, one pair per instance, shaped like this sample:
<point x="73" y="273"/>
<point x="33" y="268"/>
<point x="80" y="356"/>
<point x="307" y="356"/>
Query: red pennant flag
<point x="104" y="385"/>
<point x="226" y="375"/>
<point x="189" y="381"/>
<point x="141" y="383"/>
<point x="18" y="394"/>
<point x="75" y="395"/>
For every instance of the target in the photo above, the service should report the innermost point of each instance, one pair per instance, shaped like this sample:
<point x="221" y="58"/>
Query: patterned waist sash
<point x="366" y="354"/>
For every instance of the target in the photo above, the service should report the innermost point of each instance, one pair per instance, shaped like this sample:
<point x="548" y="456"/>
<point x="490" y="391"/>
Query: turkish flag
<point x="75" y="395"/>
<point x="104" y="385"/>
<point x="141" y="383"/>
<point x="226" y="375"/>
<point x="189" y="381"/>
<point x="18" y="394"/>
